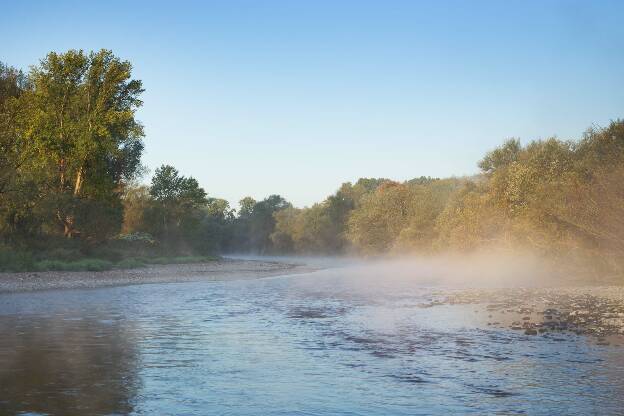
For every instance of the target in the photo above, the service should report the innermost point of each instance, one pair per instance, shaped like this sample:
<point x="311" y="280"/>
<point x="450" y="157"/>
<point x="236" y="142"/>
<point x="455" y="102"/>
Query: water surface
<point x="324" y="343"/>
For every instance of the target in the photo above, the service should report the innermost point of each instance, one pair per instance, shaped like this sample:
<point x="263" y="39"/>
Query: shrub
<point x="92" y="265"/>
<point x="11" y="261"/>
<point x="130" y="263"/>
<point x="54" y="265"/>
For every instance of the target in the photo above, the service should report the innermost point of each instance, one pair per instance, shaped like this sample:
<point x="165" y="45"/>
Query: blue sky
<point x="296" y="97"/>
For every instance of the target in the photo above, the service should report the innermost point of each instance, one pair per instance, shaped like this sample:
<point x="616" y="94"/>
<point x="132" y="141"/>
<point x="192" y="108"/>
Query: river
<point x="321" y="343"/>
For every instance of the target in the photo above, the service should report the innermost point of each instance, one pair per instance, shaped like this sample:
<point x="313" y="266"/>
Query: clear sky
<point x="296" y="97"/>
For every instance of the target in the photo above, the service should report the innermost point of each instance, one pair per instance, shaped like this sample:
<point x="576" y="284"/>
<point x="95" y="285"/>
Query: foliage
<point x="256" y="222"/>
<point x="70" y="157"/>
<point x="69" y="142"/>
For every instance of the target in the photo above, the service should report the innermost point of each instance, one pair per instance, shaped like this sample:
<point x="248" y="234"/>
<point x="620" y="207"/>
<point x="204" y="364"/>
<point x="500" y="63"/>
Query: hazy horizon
<point x="294" y="99"/>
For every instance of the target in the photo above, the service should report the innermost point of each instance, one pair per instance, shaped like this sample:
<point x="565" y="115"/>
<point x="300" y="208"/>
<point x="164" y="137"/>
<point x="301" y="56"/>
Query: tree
<point x="216" y="227"/>
<point x="375" y="224"/>
<point x="136" y="202"/>
<point x="256" y="223"/>
<point x="178" y="201"/>
<point x="81" y="123"/>
<point x="501" y="156"/>
<point x="429" y="198"/>
<point x="246" y="207"/>
<point x="470" y="220"/>
<point x="286" y="222"/>
<point x="12" y="85"/>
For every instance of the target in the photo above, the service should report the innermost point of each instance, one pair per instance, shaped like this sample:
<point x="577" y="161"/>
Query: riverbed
<point x="334" y="341"/>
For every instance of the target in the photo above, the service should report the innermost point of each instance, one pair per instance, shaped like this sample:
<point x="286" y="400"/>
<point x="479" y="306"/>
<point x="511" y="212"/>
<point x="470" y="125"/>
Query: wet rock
<point x="597" y="311"/>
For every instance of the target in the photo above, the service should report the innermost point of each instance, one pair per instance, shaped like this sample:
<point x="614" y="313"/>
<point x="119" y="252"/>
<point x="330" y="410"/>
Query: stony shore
<point x="223" y="269"/>
<point x="583" y="310"/>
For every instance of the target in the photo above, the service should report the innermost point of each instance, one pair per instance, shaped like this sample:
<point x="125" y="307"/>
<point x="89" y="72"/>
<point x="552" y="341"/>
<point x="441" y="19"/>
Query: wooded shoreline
<point x="73" y="195"/>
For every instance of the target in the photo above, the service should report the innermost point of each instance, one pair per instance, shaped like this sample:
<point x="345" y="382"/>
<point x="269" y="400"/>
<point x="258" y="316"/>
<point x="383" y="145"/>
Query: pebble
<point x="592" y="311"/>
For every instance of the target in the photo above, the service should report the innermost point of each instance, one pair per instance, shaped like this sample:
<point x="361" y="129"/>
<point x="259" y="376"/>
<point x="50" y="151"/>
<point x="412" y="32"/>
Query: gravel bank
<point x="589" y="310"/>
<point x="224" y="269"/>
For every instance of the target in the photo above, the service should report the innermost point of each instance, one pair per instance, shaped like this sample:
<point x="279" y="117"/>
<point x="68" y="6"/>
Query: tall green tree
<point x="256" y="223"/>
<point x="19" y="191"/>
<point x="82" y="127"/>
<point x="178" y="201"/>
<point x="13" y="83"/>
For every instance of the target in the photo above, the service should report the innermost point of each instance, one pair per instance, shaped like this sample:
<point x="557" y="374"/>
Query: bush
<point x="92" y="265"/>
<point x="15" y="261"/>
<point x="130" y="263"/>
<point x="11" y="261"/>
<point x="135" y="244"/>
<point x="54" y="265"/>
<point x="105" y="252"/>
<point x="144" y="238"/>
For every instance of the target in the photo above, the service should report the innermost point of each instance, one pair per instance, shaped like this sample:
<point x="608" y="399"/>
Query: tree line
<point x="563" y="200"/>
<point x="70" y="170"/>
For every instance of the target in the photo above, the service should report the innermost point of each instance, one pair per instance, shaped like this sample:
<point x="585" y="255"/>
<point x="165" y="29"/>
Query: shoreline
<point x="224" y="269"/>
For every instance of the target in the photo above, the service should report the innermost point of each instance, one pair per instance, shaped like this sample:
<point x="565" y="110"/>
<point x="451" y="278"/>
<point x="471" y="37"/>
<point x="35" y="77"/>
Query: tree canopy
<point x="70" y="169"/>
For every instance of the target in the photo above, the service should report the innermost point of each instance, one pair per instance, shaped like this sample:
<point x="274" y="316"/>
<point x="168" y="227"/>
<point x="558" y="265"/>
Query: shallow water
<point x="324" y="343"/>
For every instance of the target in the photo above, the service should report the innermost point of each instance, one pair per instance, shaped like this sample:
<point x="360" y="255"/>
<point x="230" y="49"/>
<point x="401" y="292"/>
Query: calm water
<point x="325" y="343"/>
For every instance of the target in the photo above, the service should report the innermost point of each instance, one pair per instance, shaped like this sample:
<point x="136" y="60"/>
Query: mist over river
<point x="349" y="339"/>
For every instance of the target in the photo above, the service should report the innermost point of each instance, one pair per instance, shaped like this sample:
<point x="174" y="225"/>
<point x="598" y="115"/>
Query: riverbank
<point x="596" y="311"/>
<point x="222" y="269"/>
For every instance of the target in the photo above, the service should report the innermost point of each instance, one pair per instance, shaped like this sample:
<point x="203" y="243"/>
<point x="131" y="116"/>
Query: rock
<point x="530" y="331"/>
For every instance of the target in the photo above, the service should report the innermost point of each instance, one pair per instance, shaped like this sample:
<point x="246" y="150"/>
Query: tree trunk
<point x="62" y="174"/>
<point x="67" y="222"/>
<point x="68" y="231"/>
<point x="79" y="180"/>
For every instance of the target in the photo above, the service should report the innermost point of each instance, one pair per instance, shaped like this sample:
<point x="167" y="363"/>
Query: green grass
<point x="16" y="261"/>
<point x="130" y="263"/>
<point x="92" y="265"/>
<point x="24" y="262"/>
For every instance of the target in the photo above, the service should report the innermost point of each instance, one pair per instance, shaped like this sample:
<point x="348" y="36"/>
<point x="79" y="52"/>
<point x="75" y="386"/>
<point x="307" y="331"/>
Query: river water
<point x="323" y="343"/>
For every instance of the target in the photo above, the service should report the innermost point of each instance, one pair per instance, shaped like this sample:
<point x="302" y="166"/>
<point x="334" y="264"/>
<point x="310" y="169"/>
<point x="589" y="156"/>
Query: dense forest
<point x="71" y="188"/>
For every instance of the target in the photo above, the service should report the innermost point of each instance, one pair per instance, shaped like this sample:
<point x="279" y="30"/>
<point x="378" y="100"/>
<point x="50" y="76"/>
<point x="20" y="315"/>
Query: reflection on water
<point x="325" y="343"/>
<point x="51" y="364"/>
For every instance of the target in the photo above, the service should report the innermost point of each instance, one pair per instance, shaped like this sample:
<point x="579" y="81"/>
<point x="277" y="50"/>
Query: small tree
<point x="177" y="202"/>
